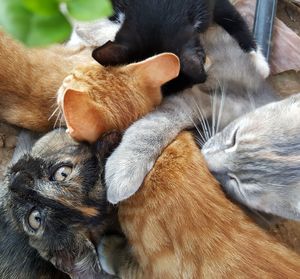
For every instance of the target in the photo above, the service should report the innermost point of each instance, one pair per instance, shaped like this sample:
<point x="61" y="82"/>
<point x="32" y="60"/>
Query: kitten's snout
<point x="216" y="161"/>
<point x="19" y="179"/>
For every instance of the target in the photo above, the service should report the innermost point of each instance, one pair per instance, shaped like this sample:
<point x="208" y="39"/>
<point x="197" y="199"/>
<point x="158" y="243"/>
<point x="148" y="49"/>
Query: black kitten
<point x="57" y="209"/>
<point x="155" y="26"/>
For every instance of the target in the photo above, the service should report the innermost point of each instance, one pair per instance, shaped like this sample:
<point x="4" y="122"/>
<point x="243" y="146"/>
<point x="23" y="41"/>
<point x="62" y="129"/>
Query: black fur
<point x="156" y="26"/>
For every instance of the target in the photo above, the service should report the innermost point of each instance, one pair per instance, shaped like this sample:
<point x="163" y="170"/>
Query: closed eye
<point x="233" y="178"/>
<point x="231" y="146"/>
<point x="235" y="185"/>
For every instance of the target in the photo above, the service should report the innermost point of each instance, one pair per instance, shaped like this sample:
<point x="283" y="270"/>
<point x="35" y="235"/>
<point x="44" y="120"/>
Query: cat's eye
<point x="62" y="173"/>
<point x="233" y="180"/>
<point x="233" y="142"/>
<point x="35" y="220"/>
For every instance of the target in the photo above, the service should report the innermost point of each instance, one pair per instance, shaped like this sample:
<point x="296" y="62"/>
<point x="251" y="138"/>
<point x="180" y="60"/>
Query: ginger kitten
<point x="106" y="98"/>
<point x="96" y="99"/>
<point x="29" y="80"/>
<point x="180" y="225"/>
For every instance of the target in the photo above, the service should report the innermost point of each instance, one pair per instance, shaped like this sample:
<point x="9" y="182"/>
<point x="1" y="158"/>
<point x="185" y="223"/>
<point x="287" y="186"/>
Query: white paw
<point x="260" y="63"/>
<point x="124" y="173"/>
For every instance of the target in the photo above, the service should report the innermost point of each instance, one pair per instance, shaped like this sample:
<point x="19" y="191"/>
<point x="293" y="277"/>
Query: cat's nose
<point x="20" y="179"/>
<point x="216" y="162"/>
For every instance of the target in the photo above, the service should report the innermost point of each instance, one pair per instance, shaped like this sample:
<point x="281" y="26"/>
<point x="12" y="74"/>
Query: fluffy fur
<point x="96" y="99"/>
<point x="105" y="98"/>
<point x="256" y="158"/>
<point x="181" y="225"/>
<point x="29" y="80"/>
<point x="231" y="70"/>
<point x="191" y="231"/>
<point x="151" y="27"/>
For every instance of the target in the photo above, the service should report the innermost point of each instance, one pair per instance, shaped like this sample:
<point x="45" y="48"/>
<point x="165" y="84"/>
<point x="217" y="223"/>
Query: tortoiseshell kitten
<point x="57" y="204"/>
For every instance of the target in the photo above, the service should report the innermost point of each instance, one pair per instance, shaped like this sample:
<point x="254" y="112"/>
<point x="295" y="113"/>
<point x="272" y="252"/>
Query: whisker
<point x="197" y="128"/>
<point x="203" y="122"/>
<point x="53" y="113"/>
<point x="57" y="118"/>
<point x="214" y="105"/>
<point x="221" y="108"/>
<point x="200" y="142"/>
<point x="208" y="127"/>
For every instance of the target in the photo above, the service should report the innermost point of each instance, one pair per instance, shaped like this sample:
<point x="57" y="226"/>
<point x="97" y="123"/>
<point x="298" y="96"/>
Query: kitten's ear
<point x="107" y="143"/>
<point x="84" y="264"/>
<point x="193" y="63"/>
<point x="85" y="119"/>
<point x="25" y="142"/>
<point x="111" y="54"/>
<point x="157" y="70"/>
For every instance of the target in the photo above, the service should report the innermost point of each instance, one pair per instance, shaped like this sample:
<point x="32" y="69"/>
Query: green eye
<point x="62" y="173"/>
<point x="35" y="220"/>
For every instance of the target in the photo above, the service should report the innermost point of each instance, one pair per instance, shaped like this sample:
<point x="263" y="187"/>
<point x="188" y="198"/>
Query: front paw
<point x="260" y="63"/>
<point x="124" y="173"/>
<point x="109" y="251"/>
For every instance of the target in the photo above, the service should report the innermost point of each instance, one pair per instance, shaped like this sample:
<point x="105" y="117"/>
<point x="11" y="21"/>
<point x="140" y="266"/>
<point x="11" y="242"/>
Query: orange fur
<point x="96" y="99"/>
<point x="29" y="80"/>
<point x="181" y="225"/>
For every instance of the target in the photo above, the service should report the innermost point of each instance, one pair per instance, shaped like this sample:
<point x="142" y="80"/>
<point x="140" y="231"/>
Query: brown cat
<point x="29" y="80"/>
<point x="28" y="99"/>
<point x="181" y="225"/>
<point x="109" y="98"/>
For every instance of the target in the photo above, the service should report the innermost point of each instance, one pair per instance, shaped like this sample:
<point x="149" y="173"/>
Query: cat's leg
<point x="231" y="20"/>
<point x="144" y="141"/>
<point x="116" y="258"/>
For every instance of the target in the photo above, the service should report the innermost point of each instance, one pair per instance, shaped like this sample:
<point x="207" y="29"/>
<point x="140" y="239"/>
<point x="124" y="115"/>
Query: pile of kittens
<point x="163" y="68"/>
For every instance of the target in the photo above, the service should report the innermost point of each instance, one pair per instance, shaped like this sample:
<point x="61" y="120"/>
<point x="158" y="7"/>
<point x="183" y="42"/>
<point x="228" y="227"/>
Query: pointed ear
<point x="157" y="70"/>
<point x="111" y="54"/>
<point x="107" y="143"/>
<point x="85" y="119"/>
<point x="193" y="64"/>
<point x="84" y="264"/>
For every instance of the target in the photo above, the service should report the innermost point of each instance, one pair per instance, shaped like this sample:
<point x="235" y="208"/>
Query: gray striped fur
<point x="144" y="141"/>
<point x="262" y="168"/>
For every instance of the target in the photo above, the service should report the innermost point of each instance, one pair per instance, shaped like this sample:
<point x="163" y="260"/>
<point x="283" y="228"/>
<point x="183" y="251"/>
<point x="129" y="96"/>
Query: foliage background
<point x="42" y="22"/>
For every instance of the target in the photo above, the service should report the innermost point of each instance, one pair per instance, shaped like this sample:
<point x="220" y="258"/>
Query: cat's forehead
<point x="273" y="120"/>
<point x="58" y="144"/>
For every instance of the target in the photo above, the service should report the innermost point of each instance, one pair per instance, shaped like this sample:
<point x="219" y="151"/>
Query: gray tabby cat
<point x="257" y="158"/>
<point x="143" y="142"/>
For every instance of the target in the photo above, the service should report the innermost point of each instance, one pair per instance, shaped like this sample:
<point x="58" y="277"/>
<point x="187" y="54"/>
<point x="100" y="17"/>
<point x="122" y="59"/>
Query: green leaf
<point x="89" y="9"/>
<point x="15" y="18"/>
<point x="31" y="28"/>
<point x="42" y="7"/>
<point x="47" y="30"/>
